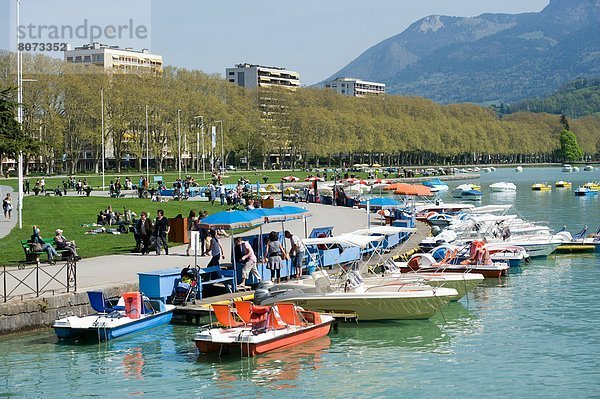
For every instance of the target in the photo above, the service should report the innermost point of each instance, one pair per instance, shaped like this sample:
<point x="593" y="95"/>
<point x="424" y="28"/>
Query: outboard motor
<point x="262" y="292"/>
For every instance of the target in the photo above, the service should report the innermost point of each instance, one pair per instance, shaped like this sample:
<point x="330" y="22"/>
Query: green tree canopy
<point x="569" y="147"/>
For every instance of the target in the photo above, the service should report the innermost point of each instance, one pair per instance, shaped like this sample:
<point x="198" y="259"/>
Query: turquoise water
<point x="535" y="333"/>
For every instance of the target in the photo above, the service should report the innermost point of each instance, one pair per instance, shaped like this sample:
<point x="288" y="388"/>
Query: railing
<point x="35" y="279"/>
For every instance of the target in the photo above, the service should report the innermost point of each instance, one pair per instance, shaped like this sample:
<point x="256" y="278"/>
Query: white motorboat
<point x="503" y="186"/>
<point x="468" y="191"/>
<point x="588" y="168"/>
<point x="567" y="168"/>
<point x="519" y="169"/>
<point x="382" y="302"/>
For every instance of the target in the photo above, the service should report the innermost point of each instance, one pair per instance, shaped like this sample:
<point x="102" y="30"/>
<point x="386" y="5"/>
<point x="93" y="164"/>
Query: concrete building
<point x="355" y="87"/>
<point x="252" y="76"/>
<point x="113" y="58"/>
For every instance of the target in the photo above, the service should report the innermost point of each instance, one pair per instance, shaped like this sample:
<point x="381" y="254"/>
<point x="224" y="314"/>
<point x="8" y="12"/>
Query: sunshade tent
<point x="230" y="220"/>
<point x="412" y="189"/>
<point x="381" y="202"/>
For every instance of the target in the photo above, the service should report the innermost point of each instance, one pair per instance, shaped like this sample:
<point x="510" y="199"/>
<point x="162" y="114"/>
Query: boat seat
<point x="98" y="302"/>
<point x="244" y="310"/>
<point x="289" y="314"/>
<point x="225" y="317"/>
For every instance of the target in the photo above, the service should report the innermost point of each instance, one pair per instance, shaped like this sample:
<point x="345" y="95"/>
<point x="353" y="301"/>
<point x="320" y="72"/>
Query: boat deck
<point x="404" y="250"/>
<point x="193" y="312"/>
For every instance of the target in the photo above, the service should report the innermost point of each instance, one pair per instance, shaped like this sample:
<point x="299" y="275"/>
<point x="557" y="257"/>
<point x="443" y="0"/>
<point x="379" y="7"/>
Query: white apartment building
<point x="355" y="87"/>
<point x="113" y="58"/>
<point x="252" y="76"/>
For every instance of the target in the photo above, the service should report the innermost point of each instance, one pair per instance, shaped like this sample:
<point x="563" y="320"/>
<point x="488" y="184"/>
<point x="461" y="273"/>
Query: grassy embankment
<point x="70" y="212"/>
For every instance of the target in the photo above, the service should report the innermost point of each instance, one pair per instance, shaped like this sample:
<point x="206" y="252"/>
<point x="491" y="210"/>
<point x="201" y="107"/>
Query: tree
<point x="570" y="150"/>
<point x="12" y="137"/>
<point x="564" y="122"/>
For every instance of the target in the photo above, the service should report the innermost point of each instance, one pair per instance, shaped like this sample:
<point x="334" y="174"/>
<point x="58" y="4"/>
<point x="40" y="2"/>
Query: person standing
<point x="161" y="229"/>
<point x="297" y="252"/>
<point x="244" y="255"/>
<point x="26" y="190"/>
<point x="43" y="184"/>
<point x="7" y="206"/>
<point x="215" y="249"/>
<point x="144" y="228"/>
<point x="222" y="193"/>
<point x="192" y="225"/>
<point x="275" y="256"/>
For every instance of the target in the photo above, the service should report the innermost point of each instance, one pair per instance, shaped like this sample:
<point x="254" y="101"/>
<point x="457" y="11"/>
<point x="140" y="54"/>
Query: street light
<point x="179" y="142"/>
<point x="222" y="147"/>
<point x="147" y="150"/>
<point x="198" y="149"/>
<point x="102" y="113"/>
<point x="20" y="114"/>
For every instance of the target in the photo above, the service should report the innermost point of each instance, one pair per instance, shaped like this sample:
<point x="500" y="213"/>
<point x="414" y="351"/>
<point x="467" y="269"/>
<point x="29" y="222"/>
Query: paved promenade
<point x="116" y="269"/>
<point x="7" y="226"/>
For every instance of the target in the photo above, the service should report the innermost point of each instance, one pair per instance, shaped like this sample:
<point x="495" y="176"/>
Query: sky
<point x="313" y="37"/>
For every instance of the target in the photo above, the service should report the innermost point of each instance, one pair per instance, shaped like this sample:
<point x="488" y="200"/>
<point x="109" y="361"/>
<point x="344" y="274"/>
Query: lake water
<point x="535" y="333"/>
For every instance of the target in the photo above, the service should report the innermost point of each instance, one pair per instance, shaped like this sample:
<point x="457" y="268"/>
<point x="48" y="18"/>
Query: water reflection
<point x="280" y="369"/>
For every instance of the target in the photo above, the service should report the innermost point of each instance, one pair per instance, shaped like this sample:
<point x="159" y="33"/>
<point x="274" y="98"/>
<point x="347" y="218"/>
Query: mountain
<point x="488" y="58"/>
<point x="578" y="98"/>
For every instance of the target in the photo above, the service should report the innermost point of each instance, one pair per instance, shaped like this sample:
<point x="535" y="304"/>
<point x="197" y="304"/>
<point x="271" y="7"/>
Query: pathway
<point x="5" y="225"/>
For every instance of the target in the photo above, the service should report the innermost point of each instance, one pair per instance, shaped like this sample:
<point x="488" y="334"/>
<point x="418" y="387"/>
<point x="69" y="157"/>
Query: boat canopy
<point x="347" y="240"/>
<point x="385" y="230"/>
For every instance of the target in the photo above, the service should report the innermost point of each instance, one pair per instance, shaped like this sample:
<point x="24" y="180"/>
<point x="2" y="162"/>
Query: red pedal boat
<point x="254" y="329"/>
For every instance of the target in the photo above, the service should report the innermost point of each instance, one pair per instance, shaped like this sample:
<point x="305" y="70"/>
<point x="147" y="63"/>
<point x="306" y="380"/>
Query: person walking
<point x="222" y="193"/>
<point x="7" y="206"/>
<point x="244" y="255"/>
<point x="161" y="229"/>
<point x="297" y="253"/>
<point x="215" y="249"/>
<point x="275" y="256"/>
<point x="144" y="228"/>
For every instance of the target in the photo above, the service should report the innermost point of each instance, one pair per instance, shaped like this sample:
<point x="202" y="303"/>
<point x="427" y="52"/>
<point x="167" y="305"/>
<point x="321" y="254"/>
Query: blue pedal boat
<point x="132" y="313"/>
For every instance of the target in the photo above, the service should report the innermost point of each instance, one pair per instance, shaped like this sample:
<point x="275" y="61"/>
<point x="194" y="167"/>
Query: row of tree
<point x="308" y="126"/>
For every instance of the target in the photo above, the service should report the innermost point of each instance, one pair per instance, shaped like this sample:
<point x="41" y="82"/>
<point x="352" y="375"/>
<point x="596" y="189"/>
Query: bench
<point x="212" y="275"/>
<point x="34" y="257"/>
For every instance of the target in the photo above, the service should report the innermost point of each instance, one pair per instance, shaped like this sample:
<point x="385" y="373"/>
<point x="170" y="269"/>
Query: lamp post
<point x="198" y="147"/>
<point x="179" y="142"/>
<point x="20" y="115"/>
<point x="102" y="124"/>
<point x="147" y="149"/>
<point x="222" y="148"/>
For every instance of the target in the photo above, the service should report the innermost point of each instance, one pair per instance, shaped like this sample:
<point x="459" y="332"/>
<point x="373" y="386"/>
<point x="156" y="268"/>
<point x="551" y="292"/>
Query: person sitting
<point x="36" y="238"/>
<point x="63" y="244"/>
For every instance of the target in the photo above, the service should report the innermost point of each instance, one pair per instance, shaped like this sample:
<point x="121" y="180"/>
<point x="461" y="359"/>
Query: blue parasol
<point x="229" y="220"/>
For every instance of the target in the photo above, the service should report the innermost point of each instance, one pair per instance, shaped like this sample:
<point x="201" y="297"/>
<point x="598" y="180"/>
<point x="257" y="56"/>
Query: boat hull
<point x="462" y="286"/>
<point x="485" y="272"/>
<point x="249" y="345"/>
<point x="375" y="308"/>
<point x="104" y="332"/>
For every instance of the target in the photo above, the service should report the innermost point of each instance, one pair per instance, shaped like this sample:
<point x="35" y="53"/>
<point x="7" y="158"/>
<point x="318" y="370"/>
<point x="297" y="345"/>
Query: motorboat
<point x="255" y="330"/>
<point x="436" y="184"/>
<point x="519" y="169"/>
<point x="440" y="219"/>
<point x="422" y="212"/>
<point x="468" y="192"/>
<point x="499" y="252"/>
<point x="585" y="191"/>
<point x="422" y="262"/>
<point x="575" y="168"/>
<point x="567" y="168"/>
<point x="503" y="186"/>
<point x="588" y="168"/>
<point x="562" y="183"/>
<point x="541" y="187"/>
<point x="352" y="296"/>
<point x="580" y="242"/>
<point x="132" y="312"/>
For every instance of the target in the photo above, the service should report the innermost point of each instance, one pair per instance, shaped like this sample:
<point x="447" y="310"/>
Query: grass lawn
<point x="230" y="177"/>
<point x="70" y="212"/>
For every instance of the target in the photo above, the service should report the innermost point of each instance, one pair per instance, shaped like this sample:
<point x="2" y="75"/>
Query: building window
<point x="232" y="80"/>
<point x="231" y="73"/>
<point x="240" y="79"/>
<point x="343" y="91"/>
<point x="70" y="59"/>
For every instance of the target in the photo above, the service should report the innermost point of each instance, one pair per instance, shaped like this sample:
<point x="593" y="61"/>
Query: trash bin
<point x="268" y="203"/>
<point x="178" y="231"/>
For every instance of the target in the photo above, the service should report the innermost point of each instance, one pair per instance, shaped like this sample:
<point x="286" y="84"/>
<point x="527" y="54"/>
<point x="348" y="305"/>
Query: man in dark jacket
<point x="143" y="230"/>
<point x="161" y="229"/>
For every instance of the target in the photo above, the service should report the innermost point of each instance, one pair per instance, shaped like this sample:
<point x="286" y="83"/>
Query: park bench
<point x="34" y="256"/>
<point x="212" y="275"/>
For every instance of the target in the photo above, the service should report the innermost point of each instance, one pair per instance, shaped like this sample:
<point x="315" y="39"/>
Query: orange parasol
<point x="411" y="189"/>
